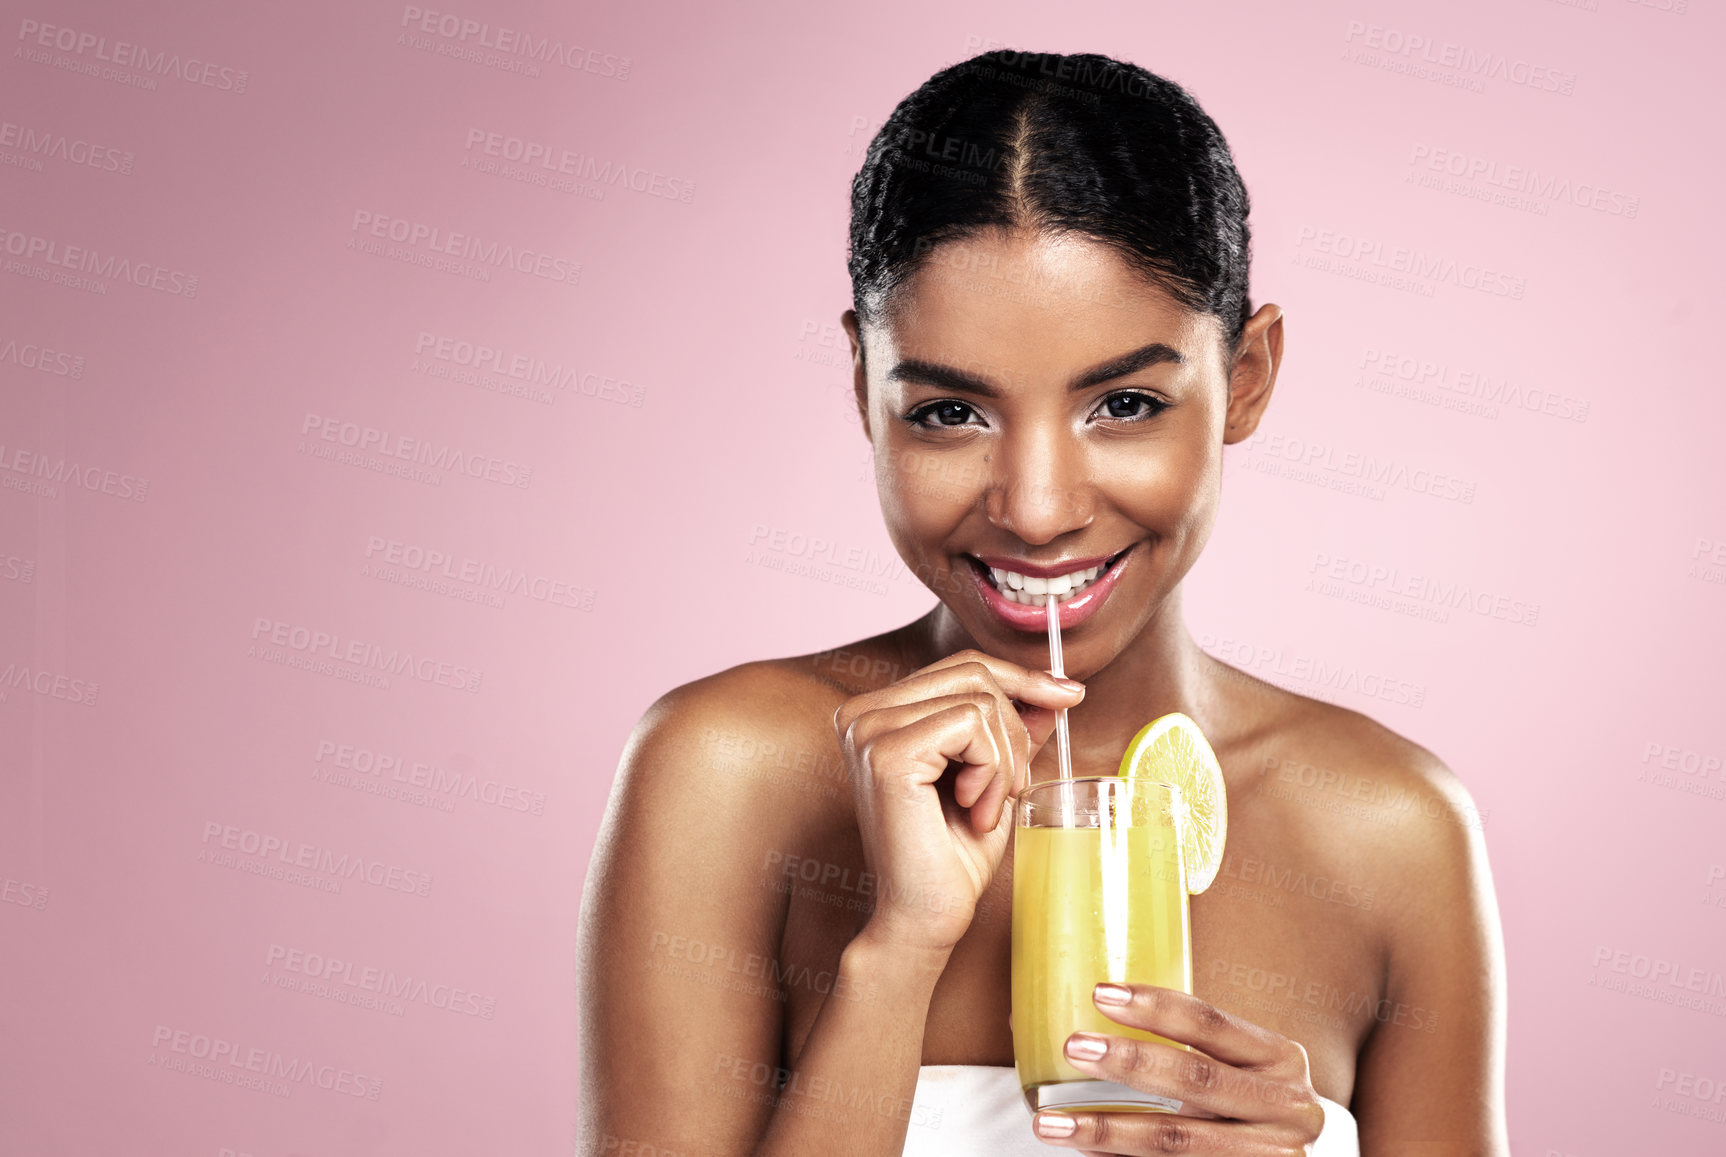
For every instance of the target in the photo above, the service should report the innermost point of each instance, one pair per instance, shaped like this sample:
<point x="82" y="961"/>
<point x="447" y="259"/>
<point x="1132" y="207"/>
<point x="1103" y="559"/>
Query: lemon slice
<point x="1172" y="749"/>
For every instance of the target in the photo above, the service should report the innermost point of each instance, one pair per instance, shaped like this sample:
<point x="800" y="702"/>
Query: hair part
<point x="1050" y="144"/>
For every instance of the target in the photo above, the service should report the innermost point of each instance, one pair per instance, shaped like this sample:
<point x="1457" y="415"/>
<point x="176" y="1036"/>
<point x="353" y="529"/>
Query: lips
<point x="1017" y="592"/>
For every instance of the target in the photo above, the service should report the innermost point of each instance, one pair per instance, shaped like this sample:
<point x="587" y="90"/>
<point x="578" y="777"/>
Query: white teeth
<point x="1032" y="591"/>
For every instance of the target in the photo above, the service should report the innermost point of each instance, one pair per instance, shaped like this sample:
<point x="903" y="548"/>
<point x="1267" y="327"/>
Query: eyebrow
<point x="948" y="378"/>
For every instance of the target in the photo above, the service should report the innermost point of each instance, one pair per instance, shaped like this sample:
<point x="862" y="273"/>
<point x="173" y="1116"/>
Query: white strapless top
<point x="978" y="1111"/>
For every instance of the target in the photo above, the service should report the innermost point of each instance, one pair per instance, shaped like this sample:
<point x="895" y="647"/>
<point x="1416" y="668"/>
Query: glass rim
<point x="1078" y="779"/>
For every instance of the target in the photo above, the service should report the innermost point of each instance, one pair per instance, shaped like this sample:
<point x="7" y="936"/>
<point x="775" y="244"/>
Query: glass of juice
<point x="1099" y="893"/>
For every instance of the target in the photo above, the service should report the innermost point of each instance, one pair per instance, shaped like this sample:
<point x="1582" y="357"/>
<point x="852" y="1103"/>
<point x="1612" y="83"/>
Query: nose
<point x="1040" y="487"/>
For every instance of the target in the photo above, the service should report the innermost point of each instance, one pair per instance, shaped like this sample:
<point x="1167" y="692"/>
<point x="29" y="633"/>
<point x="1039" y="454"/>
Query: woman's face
<point x="1042" y="416"/>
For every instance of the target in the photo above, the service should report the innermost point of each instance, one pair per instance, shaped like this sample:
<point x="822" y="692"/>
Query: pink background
<point x="170" y="505"/>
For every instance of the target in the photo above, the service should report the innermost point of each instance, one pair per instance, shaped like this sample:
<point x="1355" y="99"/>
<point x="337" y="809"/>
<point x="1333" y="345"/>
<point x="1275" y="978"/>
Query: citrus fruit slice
<point x="1172" y="749"/>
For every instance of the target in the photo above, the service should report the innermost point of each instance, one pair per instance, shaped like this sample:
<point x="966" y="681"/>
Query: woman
<point x="795" y="928"/>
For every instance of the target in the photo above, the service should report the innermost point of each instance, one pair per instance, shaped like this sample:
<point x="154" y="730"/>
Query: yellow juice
<point x="1092" y="904"/>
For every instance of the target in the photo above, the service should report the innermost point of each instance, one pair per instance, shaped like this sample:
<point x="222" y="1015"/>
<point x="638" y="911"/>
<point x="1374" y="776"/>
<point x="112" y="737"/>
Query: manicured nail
<point x="1069" y="684"/>
<point x="1107" y="993"/>
<point x="1055" y="1125"/>
<point x="1085" y="1046"/>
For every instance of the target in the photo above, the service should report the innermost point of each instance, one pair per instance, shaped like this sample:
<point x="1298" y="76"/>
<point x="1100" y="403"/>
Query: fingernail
<point x="1112" y="994"/>
<point x="1069" y="684"/>
<point x="1055" y="1125"/>
<point x="1085" y="1046"/>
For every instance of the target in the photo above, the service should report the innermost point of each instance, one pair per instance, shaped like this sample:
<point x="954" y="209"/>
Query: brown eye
<point x="943" y="413"/>
<point x="1127" y="407"/>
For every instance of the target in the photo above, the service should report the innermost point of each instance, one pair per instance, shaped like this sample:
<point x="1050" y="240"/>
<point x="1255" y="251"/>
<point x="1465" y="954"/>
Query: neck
<point x="1160" y="671"/>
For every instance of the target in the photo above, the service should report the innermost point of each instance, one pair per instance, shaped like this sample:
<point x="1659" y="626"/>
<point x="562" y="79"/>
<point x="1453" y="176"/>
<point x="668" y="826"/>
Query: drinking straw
<point x="1058" y="668"/>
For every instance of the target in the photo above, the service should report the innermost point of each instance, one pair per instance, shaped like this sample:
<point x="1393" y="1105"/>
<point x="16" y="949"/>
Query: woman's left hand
<point x="1254" y="1080"/>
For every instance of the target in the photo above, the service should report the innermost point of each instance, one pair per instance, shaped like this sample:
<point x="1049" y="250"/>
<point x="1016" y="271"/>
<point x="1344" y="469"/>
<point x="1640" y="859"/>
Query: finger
<point x="1174" y="1014"/>
<point x="874" y="725"/>
<point x="1039" y="727"/>
<point x="1145" y="1134"/>
<point x="917" y="753"/>
<point x="1199" y="1085"/>
<point x="981" y="788"/>
<point x="1044" y="689"/>
<point x="965" y="671"/>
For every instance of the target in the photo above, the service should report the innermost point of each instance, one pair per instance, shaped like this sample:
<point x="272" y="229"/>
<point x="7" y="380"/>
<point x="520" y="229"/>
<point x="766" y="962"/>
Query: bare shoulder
<point x="739" y="734"/>
<point x="1338" y="780"/>
<point x="759" y="729"/>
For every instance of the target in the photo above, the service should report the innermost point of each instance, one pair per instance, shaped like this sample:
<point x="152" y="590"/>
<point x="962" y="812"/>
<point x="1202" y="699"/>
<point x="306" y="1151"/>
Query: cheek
<point x="927" y="491"/>
<point x="1168" y="488"/>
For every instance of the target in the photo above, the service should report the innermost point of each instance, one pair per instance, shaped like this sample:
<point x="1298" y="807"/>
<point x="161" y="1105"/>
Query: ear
<point x="859" y="378"/>
<point x="1254" y="372"/>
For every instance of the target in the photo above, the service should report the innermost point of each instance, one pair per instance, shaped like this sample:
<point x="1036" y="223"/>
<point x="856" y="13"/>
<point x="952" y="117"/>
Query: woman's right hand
<point x="933" y="839"/>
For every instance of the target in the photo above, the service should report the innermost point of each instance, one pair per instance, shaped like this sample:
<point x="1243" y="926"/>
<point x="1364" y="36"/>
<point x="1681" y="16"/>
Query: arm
<point x="1430" y="1078"/>
<point x="680" y="1057"/>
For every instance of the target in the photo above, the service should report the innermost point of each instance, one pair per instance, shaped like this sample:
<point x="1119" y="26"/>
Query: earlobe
<point x="1254" y="373"/>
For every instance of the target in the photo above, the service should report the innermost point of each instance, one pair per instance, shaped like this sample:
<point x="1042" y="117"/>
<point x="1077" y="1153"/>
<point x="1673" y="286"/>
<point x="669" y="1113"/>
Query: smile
<point x="1033" y="591"/>
<point x="1018" y="592"/>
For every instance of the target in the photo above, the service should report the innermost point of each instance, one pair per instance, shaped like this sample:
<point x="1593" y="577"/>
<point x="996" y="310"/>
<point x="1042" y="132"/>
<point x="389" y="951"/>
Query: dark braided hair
<point x="1054" y="143"/>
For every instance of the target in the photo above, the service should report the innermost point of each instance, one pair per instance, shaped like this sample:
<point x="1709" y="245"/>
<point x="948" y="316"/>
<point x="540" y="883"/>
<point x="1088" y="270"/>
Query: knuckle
<point x="973" y="669"/>
<point x="1201" y="1072"/>
<point x="1149" y="1002"/>
<point x="1171" y="1137"/>
<point x="1133" y="1055"/>
<point x="857" y="736"/>
<point x="1212" y="1019"/>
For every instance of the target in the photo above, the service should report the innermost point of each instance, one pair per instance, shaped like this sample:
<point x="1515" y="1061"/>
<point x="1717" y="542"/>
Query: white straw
<point x="1057" y="666"/>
